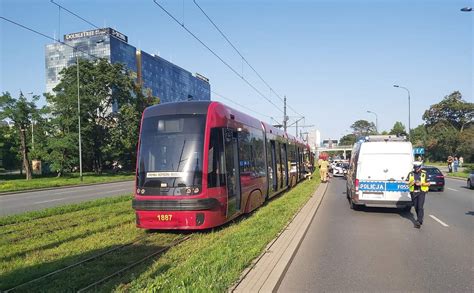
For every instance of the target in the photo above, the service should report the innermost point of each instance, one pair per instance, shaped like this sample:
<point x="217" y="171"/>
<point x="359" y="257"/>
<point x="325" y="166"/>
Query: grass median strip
<point x="13" y="183"/>
<point x="213" y="261"/>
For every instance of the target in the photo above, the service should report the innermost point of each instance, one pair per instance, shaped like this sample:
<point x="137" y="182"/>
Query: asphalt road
<point x="37" y="200"/>
<point x="379" y="250"/>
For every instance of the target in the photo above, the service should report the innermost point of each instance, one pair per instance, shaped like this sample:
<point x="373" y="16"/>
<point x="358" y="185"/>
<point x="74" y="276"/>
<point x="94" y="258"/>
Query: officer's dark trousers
<point x="418" y="199"/>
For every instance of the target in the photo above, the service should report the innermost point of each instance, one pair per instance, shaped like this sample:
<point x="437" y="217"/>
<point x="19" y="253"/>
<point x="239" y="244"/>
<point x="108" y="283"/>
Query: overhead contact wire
<point x="46" y="36"/>
<point x="81" y="18"/>
<point x="217" y="56"/>
<point x="238" y="104"/>
<point x="76" y="15"/>
<point x="240" y="54"/>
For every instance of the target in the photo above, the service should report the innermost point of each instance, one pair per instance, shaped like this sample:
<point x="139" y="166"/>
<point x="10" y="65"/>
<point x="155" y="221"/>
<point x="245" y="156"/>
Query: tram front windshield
<point x="170" y="155"/>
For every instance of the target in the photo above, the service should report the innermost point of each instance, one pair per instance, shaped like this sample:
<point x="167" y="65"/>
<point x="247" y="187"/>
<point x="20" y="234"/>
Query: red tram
<point x="201" y="164"/>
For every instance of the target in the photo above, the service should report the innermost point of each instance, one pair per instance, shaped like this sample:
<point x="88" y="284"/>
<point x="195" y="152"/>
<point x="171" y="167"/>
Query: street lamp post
<point x="376" y="121"/>
<point x="79" y="116"/>
<point x="409" y="116"/>
<point x="32" y="129"/>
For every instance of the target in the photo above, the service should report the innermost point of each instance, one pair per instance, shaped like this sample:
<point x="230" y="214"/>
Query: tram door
<point x="232" y="171"/>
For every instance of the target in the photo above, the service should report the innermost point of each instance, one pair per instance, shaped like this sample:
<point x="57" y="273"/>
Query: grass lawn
<point x="17" y="183"/>
<point x="36" y="243"/>
<point x="458" y="174"/>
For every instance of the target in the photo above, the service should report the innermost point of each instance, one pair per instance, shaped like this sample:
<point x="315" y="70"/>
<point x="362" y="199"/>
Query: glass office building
<point x="162" y="78"/>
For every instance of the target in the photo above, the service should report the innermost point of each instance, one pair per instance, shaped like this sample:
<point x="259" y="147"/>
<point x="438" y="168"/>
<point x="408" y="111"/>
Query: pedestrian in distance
<point x="450" y="164"/>
<point x="418" y="187"/>
<point x="323" y="170"/>
<point x="455" y="164"/>
<point x="461" y="161"/>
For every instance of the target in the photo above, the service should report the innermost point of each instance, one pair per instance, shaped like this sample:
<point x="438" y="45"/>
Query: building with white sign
<point x="158" y="76"/>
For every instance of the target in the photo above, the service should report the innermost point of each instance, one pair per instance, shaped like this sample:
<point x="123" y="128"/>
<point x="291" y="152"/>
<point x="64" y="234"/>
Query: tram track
<point x="137" y="240"/>
<point x="76" y="264"/>
<point x="130" y="266"/>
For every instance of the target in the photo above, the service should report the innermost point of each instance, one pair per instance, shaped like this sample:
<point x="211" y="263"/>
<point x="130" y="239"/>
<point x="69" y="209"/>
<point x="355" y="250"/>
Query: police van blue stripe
<point x="383" y="186"/>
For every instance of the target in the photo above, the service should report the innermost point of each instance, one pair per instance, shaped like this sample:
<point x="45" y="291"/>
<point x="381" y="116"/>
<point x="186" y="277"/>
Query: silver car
<point x="470" y="180"/>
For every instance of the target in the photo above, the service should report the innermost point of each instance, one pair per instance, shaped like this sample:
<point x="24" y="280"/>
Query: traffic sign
<point x="419" y="151"/>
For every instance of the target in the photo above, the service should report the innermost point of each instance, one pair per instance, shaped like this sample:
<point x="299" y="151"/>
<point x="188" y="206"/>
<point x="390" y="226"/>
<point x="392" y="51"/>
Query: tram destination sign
<point x="97" y="32"/>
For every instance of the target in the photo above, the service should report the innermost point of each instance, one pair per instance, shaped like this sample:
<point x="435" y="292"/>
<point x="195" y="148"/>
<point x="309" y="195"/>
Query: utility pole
<point x="296" y="132"/>
<point x="284" y="113"/>
<point x="301" y="126"/>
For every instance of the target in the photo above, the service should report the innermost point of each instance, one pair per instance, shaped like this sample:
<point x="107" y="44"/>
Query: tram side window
<point x="284" y="165"/>
<point x="278" y="164"/>
<point x="252" y="153"/>
<point x="215" y="169"/>
<point x="269" y="159"/>
<point x="292" y="162"/>
<point x="245" y="154"/>
<point x="258" y="148"/>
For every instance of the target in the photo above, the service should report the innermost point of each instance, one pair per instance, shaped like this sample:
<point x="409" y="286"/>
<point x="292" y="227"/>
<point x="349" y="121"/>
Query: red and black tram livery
<point x="201" y="164"/>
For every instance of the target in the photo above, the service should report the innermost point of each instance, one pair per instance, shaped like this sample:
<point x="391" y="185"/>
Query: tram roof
<point x="187" y="107"/>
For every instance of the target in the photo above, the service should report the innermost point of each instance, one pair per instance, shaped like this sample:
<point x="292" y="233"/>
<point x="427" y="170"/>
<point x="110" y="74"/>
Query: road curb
<point x="267" y="272"/>
<point x="61" y="187"/>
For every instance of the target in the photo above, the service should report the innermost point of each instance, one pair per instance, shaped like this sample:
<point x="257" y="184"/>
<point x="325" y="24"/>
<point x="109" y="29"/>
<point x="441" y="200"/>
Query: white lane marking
<point x="45" y="201"/>
<point x="452" y="189"/>
<point x="439" y="221"/>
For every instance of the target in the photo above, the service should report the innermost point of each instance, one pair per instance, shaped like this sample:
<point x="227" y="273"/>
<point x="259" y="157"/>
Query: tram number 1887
<point x="164" y="218"/>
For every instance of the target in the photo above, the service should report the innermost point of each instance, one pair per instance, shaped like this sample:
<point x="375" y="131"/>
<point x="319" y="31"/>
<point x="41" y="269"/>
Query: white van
<point x="378" y="171"/>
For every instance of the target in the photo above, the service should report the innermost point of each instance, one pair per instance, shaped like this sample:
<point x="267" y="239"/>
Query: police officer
<point x="418" y="189"/>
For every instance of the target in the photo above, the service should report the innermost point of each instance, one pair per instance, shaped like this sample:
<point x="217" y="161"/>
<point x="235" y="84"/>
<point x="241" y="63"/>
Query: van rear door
<point x="382" y="176"/>
<point x="385" y="167"/>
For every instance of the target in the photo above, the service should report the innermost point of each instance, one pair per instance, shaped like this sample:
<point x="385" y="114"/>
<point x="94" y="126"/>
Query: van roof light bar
<point x="373" y="138"/>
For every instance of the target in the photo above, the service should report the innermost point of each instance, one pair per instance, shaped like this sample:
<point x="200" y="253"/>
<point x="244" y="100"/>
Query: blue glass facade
<point x="169" y="82"/>
<point x="124" y="53"/>
<point x="162" y="78"/>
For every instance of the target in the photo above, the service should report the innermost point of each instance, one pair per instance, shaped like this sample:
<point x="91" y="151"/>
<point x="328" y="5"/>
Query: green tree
<point x="419" y="136"/>
<point x="124" y="134"/>
<point x="453" y="110"/>
<point x="102" y="87"/>
<point x="363" y="127"/>
<point x="9" y="147"/>
<point x="21" y="112"/>
<point x="448" y="127"/>
<point x="398" y="128"/>
<point x="466" y="144"/>
<point x="348" y="139"/>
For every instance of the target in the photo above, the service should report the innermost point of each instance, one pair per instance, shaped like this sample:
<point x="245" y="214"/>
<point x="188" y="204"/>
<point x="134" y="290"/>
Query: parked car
<point x="470" y="180"/>
<point x="434" y="177"/>
<point x="340" y="169"/>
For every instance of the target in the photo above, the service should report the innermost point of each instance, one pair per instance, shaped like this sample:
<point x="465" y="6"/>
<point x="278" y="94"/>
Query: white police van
<point x="378" y="171"/>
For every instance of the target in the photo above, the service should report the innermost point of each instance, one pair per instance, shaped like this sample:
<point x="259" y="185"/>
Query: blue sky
<point x="334" y="60"/>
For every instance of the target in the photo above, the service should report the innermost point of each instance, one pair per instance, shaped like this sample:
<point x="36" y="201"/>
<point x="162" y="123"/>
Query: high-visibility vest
<point x="411" y="178"/>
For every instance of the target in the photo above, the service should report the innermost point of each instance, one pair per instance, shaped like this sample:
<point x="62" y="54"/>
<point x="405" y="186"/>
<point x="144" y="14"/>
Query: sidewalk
<point x="268" y="270"/>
